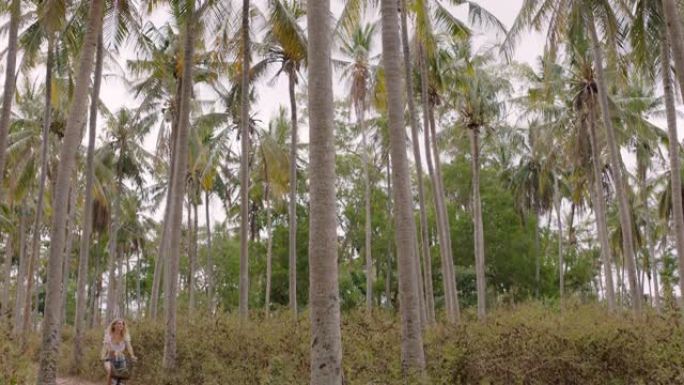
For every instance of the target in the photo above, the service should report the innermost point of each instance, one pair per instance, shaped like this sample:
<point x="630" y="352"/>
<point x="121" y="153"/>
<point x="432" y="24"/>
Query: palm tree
<point x="285" y="44"/>
<point x="357" y="66"/>
<point x="72" y="138"/>
<point x="477" y="98"/>
<point x="672" y="37"/>
<point x="10" y="78"/>
<point x="413" y="357"/>
<point x="572" y="20"/>
<point x="244" y="162"/>
<point x="415" y="141"/>
<point x="326" y="338"/>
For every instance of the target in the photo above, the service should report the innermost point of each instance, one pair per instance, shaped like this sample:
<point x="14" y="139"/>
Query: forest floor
<point x="73" y="381"/>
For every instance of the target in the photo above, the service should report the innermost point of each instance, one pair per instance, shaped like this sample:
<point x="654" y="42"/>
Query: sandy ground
<point x="74" y="381"/>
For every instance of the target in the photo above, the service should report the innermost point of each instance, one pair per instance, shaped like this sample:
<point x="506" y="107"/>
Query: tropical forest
<point x="333" y="192"/>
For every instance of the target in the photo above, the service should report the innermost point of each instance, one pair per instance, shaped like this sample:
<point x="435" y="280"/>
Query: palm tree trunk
<point x="210" y="261"/>
<point x="87" y="220"/>
<point x="72" y="138"/>
<point x="388" y="278"/>
<point x="178" y="193"/>
<point x="10" y="79"/>
<point x="115" y="210"/>
<point x="192" y="250"/>
<point x="559" y="218"/>
<point x="477" y="223"/>
<point x="413" y="357"/>
<point x="360" y="114"/>
<point x="617" y="168"/>
<point x="6" y="276"/>
<point x="293" y="196"/>
<point x="138" y="289"/>
<point x="654" y="268"/>
<point x="675" y="168"/>
<point x="326" y="336"/>
<point x="20" y="295"/>
<point x="269" y="250"/>
<point x="193" y="263"/>
<point x="35" y="242"/>
<point x="415" y="140"/>
<point x="448" y="293"/>
<point x="244" y="171"/>
<point x="599" y="202"/>
<point x="672" y="38"/>
<point x="446" y="227"/>
<point x="68" y="250"/>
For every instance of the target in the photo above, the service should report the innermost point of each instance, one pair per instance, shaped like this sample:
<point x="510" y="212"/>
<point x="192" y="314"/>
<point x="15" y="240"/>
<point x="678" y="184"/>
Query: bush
<point x="531" y="344"/>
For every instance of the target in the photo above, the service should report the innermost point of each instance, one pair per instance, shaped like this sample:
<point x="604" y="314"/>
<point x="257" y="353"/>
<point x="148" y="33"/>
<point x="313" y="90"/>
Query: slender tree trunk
<point x="87" y="219"/>
<point x="439" y="189"/>
<point x="448" y="293"/>
<point x="68" y="249"/>
<point x="210" y="261"/>
<point x="97" y="292"/>
<point x="192" y="254"/>
<point x="654" y="267"/>
<point x="293" y="196"/>
<point x="360" y="115"/>
<point x="72" y="138"/>
<point x="6" y="276"/>
<point x="178" y="192"/>
<point x="138" y="289"/>
<point x="413" y="357"/>
<point x="618" y="172"/>
<point x="673" y="149"/>
<point x="388" y="279"/>
<point x="10" y="80"/>
<point x="477" y="223"/>
<point x="673" y="38"/>
<point x="415" y="140"/>
<point x="35" y="242"/>
<point x="20" y="295"/>
<point x="559" y="219"/>
<point x="326" y="337"/>
<point x="269" y="249"/>
<point x="115" y="210"/>
<point x="244" y="170"/>
<point x="599" y="203"/>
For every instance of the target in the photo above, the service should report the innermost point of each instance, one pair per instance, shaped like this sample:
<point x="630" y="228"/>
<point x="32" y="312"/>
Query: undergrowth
<point x="530" y="344"/>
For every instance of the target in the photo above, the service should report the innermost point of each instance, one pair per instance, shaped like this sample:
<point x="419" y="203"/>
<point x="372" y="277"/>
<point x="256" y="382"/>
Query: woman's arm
<point x="129" y="347"/>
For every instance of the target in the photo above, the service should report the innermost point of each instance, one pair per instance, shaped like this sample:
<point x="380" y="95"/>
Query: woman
<point x="116" y="342"/>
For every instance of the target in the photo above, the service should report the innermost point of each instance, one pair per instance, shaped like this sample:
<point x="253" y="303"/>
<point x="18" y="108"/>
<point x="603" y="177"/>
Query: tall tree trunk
<point x="210" y="261"/>
<point x="178" y="191"/>
<point x="415" y="141"/>
<point x="445" y="228"/>
<point x="673" y="38"/>
<point x="20" y="295"/>
<point x="97" y="291"/>
<point x="360" y="115"/>
<point x="72" y="138"/>
<point x="448" y="293"/>
<point x="87" y="219"/>
<point x="326" y="337"/>
<point x="269" y="249"/>
<point x="559" y="219"/>
<point x="413" y="357"/>
<point x="192" y="256"/>
<point x="6" y="276"/>
<point x="599" y="203"/>
<point x="673" y="149"/>
<point x="244" y="170"/>
<point x="388" y="278"/>
<point x="10" y="79"/>
<point x="115" y="210"/>
<point x="292" y="266"/>
<point x="35" y="241"/>
<point x="477" y="223"/>
<point x="138" y="289"/>
<point x="617" y="168"/>
<point x="654" y="268"/>
<point x="68" y="249"/>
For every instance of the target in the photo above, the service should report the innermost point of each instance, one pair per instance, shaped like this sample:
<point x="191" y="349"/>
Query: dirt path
<point x="74" y="381"/>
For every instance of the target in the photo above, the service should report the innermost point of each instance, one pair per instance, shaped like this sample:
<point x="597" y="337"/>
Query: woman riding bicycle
<point x="114" y="345"/>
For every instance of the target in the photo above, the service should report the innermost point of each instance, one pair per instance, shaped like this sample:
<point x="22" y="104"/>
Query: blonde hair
<point x="109" y="332"/>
